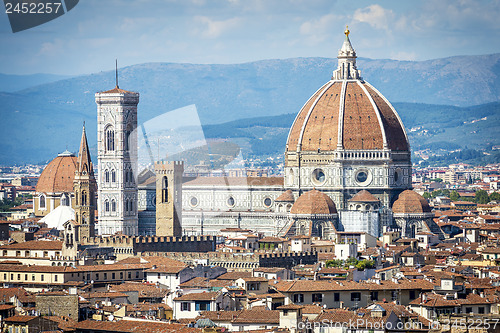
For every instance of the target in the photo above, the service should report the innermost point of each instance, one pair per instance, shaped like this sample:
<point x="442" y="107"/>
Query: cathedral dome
<point x="410" y="202"/>
<point x="58" y="175"/>
<point x="314" y="202"/>
<point x="347" y="113"/>
<point x="364" y="196"/>
<point x="286" y="196"/>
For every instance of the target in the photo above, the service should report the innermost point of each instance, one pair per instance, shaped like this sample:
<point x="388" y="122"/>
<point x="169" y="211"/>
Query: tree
<point x="454" y="196"/>
<point x="427" y="195"/>
<point x="335" y="263"/>
<point x="495" y="196"/>
<point x="351" y="261"/>
<point x="362" y="264"/>
<point x="482" y="197"/>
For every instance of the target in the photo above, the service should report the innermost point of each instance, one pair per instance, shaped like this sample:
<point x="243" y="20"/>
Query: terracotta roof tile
<point x="127" y="326"/>
<point x="58" y="175"/>
<point x="34" y="245"/>
<point x="410" y="202"/>
<point x="314" y="202"/>
<point x="364" y="196"/>
<point x="316" y="125"/>
<point x="286" y="196"/>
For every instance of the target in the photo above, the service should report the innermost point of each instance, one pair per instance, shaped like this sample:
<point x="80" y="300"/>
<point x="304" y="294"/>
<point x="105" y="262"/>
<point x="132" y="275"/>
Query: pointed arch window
<point x="110" y="138"/>
<point x="126" y="176"/>
<point x="41" y="201"/>
<point x="106" y="176"/>
<point x="64" y="200"/>
<point x="113" y="205"/>
<point x="84" y="199"/>
<point x="131" y="208"/>
<point x="106" y="205"/>
<point x="126" y="205"/>
<point x="113" y="176"/>
<point x="127" y="139"/>
<point x="164" y="189"/>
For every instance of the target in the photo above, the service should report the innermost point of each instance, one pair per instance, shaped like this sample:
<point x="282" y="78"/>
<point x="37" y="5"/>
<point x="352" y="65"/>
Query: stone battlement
<point x="243" y="261"/>
<point x="154" y="243"/>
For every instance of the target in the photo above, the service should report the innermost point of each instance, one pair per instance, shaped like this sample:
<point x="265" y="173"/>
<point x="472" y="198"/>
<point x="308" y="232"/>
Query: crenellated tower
<point x="169" y="198"/>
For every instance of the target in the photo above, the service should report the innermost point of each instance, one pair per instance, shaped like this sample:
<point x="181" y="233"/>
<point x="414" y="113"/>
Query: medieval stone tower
<point x="85" y="187"/>
<point x="117" y="157"/>
<point x="169" y="198"/>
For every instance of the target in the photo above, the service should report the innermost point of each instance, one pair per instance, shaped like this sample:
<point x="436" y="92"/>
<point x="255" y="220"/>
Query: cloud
<point x="212" y="29"/>
<point x="319" y="30"/>
<point x="376" y="16"/>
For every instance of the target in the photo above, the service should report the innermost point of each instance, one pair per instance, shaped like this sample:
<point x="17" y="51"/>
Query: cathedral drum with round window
<point x="363" y="177"/>
<point x="193" y="201"/>
<point x="318" y="177"/>
<point x="230" y="202"/>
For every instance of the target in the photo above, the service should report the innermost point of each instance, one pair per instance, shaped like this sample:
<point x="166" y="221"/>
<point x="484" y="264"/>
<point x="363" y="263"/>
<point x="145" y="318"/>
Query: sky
<point x="92" y="35"/>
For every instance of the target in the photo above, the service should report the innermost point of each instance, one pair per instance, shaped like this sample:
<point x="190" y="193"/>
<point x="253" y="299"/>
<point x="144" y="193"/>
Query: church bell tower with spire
<point x="117" y="161"/>
<point x="85" y="188"/>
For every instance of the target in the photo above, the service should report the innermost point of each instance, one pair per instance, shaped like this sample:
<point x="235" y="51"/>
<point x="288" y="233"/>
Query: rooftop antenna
<point x="116" y="72"/>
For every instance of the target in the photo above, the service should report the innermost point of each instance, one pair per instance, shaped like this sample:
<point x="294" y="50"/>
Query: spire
<point x="116" y="73"/>
<point x="346" y="69"/>
<point x="84" y="165"/>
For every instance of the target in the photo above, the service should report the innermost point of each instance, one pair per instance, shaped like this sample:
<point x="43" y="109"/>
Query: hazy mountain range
<point x="45" y="117"/>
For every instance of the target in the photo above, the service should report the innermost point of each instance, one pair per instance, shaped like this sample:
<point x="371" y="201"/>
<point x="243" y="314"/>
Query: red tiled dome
<point x="365" y="119"/>
<point x="314" y="202"/>
<point x="58" y="175"/>
<point x="364" y="196"/>
<point x="286" y="196"/>
<point x="410" y="202"/>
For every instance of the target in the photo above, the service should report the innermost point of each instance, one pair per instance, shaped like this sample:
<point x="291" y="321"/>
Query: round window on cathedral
<point x="363" y="177"/>
<point x="193" y="201"/>
<point x="318" y="177"/>
<point x="230" y="202"/>
<point x="268" y="202"/>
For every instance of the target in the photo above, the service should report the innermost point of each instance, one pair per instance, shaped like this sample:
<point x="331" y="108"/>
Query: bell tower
<point x="85" y="187"/>
<point x="117" y="158"/>
<point x="169" y="198"/>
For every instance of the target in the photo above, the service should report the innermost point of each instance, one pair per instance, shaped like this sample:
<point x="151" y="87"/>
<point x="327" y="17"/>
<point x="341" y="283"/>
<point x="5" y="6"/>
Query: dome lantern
<point x="346" y="69"/>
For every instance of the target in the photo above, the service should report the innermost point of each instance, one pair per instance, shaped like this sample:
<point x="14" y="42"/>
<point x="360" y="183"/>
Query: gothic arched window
<point x="127" y="139"/>
<point x="110" y="138"/>
<point x="164" y="189"/>
<point x="41" y="201"/>
<point x="84" y="199"/>
<point x="106" y="205"/>
<point x="113" y="205"/>
<point x="64" y="200"/>
<point x="106" y="176"/>
<point x="113" y="176"/>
